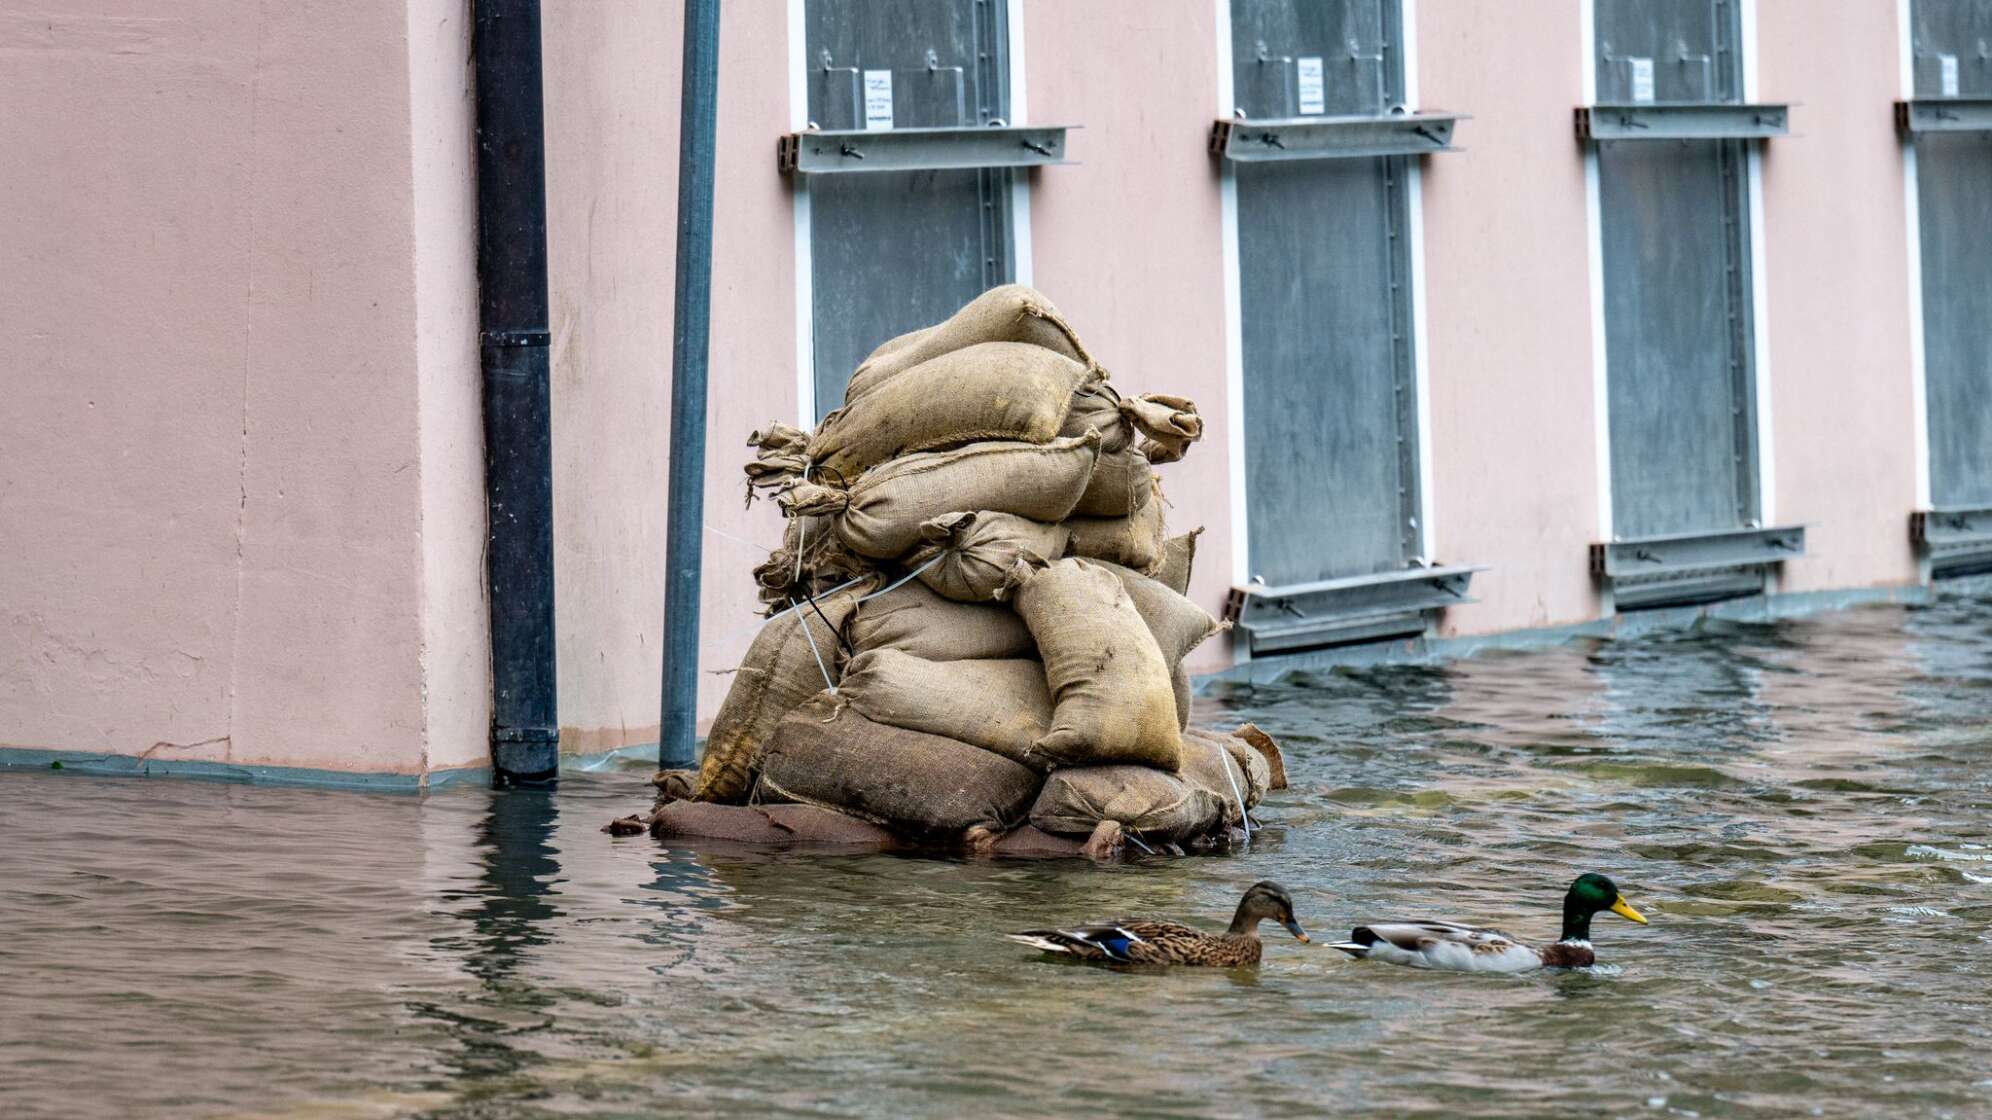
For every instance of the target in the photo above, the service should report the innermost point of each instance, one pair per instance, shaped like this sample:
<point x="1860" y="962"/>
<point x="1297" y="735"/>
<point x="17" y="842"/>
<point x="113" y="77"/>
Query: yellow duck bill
<point x="1624" y="910"/>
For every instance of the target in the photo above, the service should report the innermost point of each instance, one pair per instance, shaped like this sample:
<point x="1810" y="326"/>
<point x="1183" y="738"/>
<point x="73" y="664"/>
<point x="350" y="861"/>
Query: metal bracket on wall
<point x="1957" y="541"/>
<point x="1943" y="114"/>
<point x="919" y="149"/>
<point x="1646" y="121"/>
<point x="1689" y="568"/>
<point x="1405" y="134"/>
<point x="1342" y="611"/>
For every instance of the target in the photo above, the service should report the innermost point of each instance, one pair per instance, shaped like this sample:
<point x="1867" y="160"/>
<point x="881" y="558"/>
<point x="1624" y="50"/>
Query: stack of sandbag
<point x="978" y="619"/>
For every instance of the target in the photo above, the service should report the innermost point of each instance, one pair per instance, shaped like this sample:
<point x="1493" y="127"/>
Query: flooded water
<point x="1803" y="809"/>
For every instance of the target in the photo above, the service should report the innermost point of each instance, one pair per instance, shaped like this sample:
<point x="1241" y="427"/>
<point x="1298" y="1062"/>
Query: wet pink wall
<point x="1146" y="288"/>
<point x="1837" y="277"/>
<point x="1508" y="313"/>
<point x="212" y="507"/>
<point x="612" y="87"/>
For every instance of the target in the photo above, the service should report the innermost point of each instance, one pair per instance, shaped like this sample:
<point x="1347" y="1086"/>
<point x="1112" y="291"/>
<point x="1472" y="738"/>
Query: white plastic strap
<point x="902" y="580"/>
<point x="820" y="667"/>
<point x="1243" y="815"/>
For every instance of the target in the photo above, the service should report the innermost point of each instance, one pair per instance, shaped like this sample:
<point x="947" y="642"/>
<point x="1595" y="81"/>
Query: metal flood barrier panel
<point x="1673" y="195"/>
<point x="1951" y="44"/>
<point x="1320" y="150"/>
<point x="1952" y="41"/>
<point x="1677" y="287"/>
<point x="1325" y="300"/>
<point x="896" y="250"/>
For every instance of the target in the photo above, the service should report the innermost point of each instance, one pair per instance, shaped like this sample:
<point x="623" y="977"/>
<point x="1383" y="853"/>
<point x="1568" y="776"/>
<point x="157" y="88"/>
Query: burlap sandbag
<point x="913" y="620"/>
<point x="826" y="562"/>
<point x="825" y="753"/>
<point x="1178" y="624"/>
<point x="1133" y="542"/>
<point x="1156" y="806"/>
<point x="780" y="825"/>
<point x="1001" y="706"/>
<point x="1267" y="749"/>
<point x="989" y="391"/>
<point x="1010" y="313"/>
<point x="1097" y="407"/>
<point x="1227" y="768"/>
<point x="1123" y="482"/>
<point x="967" y="556"/>
<point x="880" y="514"/>
<point x="1110" y="685"/>
<point x="1170" y="423"/>
<point x="781" y="454"/>
<point x="1179" y="559"/>
<point x="779" y="672"/>
<point x="1167" y="425"/>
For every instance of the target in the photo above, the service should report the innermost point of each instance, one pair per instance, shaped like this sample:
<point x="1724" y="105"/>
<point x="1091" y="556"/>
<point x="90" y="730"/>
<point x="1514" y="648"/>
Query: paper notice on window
<point x="878" y="100"/>
<point x="1642" y="79"/>
<point x="1313" y="95"/>
<point x="1947" y="64"/>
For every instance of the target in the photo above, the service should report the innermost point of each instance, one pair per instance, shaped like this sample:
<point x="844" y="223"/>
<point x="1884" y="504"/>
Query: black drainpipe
<point x="518" y="429"/>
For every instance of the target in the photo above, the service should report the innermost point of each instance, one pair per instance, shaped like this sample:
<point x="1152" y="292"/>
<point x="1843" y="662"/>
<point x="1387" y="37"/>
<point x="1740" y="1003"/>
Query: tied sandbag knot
<point x="1171" y="425"/>
<point x="781" y="458"/>
<point x="813" y="499"/>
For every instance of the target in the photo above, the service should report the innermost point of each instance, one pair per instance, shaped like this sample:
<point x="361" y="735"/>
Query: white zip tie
<point x="827" y="682"/>
<point x="1225" y="758"/>
<point x="1136" y="841"/>
<point x="801" y="532"/>
<point x="902" y="580"/>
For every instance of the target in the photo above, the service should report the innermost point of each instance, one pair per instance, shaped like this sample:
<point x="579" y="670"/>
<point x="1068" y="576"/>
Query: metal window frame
<point x="1955" y="540"/>
<point x="853" y="151"/>
<point x="1685" y="569"/>
<point x="1341" y="137"/>
<point x="1367" y="608"/>
<point x="1682" y="121"/>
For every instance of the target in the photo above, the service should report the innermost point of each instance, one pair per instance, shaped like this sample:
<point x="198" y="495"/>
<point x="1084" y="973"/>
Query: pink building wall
<point x="1146" y="290"/>
<point x="1837" y="256"/>
<point x="213" y="511"/>
<point x="1508" y="314"/>
<point x="241" y="505"/>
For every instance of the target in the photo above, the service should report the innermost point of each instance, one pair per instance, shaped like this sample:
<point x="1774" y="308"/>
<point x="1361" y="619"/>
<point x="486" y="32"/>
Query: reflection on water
<point x="1801" y="807"/>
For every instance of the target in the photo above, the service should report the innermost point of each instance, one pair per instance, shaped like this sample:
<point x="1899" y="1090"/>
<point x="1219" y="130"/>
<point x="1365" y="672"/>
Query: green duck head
<point x="1266" y="901"/>
<point x="1590" y="894"/>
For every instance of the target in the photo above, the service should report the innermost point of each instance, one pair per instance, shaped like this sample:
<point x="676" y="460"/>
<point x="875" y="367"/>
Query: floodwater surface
<point x="1803" y="808"/>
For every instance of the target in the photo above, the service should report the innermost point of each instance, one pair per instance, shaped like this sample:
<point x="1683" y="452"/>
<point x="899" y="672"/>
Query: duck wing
<point x="1446" y="945"/>
<point x="1105" y="941"/>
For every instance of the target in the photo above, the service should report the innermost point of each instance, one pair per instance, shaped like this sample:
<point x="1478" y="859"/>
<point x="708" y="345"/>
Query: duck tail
<point x="1048" y="940"/>
<point x="1359" y="942"/>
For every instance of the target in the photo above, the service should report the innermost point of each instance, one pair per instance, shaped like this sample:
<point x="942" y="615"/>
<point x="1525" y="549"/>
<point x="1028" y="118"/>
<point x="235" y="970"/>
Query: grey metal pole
<point x="690" y="327"/>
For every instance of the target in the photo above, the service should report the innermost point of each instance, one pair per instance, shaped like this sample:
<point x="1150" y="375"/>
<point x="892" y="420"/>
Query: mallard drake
<point x="1132" y="941"/>
<point x="1466" y="949"/>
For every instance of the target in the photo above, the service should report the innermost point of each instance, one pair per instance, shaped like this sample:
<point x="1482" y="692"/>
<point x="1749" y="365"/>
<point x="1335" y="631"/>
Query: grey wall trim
<point x="1267" y="670"/>
<point x="97" y="763"/>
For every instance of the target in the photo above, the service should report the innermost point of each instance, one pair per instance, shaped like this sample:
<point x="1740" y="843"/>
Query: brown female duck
<point x="1136" y="941"/>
